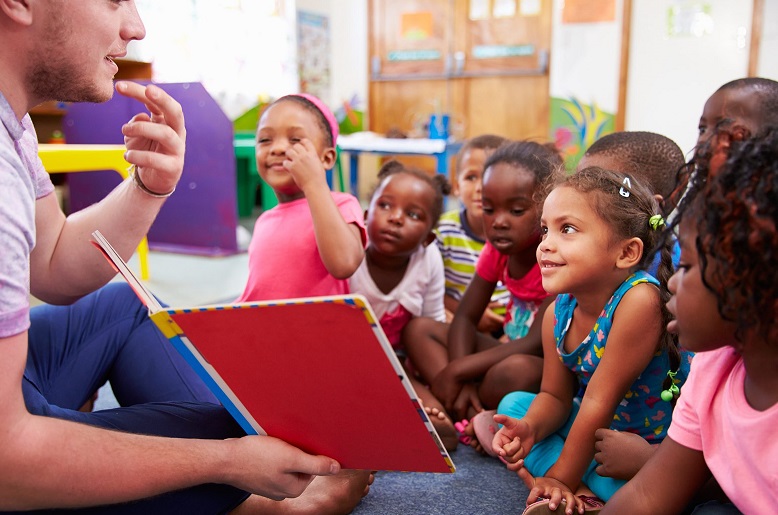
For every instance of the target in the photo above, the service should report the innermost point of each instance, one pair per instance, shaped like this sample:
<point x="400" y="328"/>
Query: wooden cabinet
<point x="47" y="117"/>
<point x="483" y="62"/>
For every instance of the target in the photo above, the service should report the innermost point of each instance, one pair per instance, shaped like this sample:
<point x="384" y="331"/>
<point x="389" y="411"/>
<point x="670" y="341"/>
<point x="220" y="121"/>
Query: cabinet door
<point x="491" y="75"/>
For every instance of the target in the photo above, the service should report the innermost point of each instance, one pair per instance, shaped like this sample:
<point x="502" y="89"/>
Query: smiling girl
<point x="318" y="231"/>
<point x="606" y="350"/>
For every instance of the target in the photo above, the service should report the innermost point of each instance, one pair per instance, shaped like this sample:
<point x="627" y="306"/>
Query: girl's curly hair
<point x="734" y="206"/>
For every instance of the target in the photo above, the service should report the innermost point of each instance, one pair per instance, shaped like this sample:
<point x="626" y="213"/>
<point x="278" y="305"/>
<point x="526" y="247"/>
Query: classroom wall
<point x="672" y="71"/>
<point x="348" y="24"/>
<point x="670" y="74"/>
<point x="584" y="79"/>
<point x="768" y="64"/>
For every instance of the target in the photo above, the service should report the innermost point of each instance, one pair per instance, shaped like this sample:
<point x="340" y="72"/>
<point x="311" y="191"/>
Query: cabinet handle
<point x="540" y="69"/>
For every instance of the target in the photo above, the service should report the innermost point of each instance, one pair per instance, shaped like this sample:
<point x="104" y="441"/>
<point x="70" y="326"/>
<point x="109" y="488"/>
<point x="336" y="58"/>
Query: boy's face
<point x="469" y="182"/>
<point x="737" y="108"/>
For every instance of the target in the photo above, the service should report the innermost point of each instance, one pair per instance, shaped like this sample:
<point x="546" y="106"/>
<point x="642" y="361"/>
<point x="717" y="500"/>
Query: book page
<point x="120" y="266"/>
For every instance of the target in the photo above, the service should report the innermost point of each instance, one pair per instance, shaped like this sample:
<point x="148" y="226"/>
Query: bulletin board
<point x="412" y="37"/>
<point x="313" y="53"/>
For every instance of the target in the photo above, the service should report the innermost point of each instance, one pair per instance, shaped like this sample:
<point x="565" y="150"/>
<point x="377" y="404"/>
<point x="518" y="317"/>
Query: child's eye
<point x="487" y="210"/>
<point x="683" y="266"/>
<point x="263" y="140"/>
<point x="382" y="204"/>
<point x="414" y="215"/>
<point x="543" y="231"/>
<point x="701" y="130"/>
<point x="295" y="140"/>
<point x="471" y="178"/>
<point x="568" y="229"/>
<point x="518" y="212"/>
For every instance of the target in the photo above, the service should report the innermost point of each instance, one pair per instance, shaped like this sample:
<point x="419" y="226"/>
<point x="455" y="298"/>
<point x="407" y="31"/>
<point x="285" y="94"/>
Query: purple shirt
<point x="23" y="180"/>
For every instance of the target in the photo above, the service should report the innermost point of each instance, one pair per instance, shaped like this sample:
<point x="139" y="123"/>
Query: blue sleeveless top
<point x="642" y="411"/>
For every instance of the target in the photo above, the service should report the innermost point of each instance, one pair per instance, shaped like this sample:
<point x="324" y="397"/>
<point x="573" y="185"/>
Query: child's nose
<point x="500" y="221"/>
<point x="395" y="216"/>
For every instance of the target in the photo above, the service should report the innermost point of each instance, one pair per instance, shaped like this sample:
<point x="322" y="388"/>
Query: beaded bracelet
<point x="136" y="179"/>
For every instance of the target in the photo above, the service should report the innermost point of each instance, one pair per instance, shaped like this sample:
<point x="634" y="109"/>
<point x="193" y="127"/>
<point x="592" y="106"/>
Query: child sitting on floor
<point x="724" y="300"/>
<point x="460" y="233"/>
<point x="607" y="353"/>
<point x="320" y="231"/>
<point x="402" y="274"/>
<point x="467" y="370"/>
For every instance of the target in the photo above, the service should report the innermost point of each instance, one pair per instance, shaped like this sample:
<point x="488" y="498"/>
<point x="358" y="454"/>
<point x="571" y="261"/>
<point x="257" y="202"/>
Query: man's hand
<point x="273" y="468"/>
<point x="155" y="142"/>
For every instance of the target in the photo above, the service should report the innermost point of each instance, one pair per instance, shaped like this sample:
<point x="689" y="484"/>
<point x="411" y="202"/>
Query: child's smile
<point x="575" y="243"/>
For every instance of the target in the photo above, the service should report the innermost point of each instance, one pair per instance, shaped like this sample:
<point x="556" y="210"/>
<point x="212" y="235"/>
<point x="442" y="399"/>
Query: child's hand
<point x="620" y="454"/>
<point x="513" y="441"/>
<point x="491" y="321"/>
<point x="467" y="401"/>
<point x="556" y="491"/>
<point x="304" y="163"/>
<point x="445" y="387"/>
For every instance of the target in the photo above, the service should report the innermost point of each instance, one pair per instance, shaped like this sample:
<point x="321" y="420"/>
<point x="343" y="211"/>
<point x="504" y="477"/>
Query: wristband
<point x="139" y="184"/>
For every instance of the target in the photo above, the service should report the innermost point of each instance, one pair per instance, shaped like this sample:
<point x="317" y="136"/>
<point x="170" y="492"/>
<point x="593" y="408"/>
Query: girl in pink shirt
<point x="724" y="300"/>
<point x="313" y="240"/>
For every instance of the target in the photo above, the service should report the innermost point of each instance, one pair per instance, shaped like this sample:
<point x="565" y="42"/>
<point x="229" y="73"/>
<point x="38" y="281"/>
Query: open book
<point x="318" y="373"/>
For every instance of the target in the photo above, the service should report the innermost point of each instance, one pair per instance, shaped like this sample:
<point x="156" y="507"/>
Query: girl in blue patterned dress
<point x="606" y="349"/>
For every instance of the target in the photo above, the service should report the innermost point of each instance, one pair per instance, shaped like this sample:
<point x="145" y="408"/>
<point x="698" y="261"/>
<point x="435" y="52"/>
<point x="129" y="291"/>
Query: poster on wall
<point x="313" y="54"/>
<point x="589" y="11"/>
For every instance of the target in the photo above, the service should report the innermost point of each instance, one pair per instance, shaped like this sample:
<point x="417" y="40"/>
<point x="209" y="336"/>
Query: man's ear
<point x="328" y="158"/>
<point x="20" y="11"/>
<point x="429" y="239"/>
<point x="631" y="253"/>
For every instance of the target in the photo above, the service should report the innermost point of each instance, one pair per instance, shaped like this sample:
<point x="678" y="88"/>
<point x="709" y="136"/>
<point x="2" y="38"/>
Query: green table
<point x="248" y="178"/>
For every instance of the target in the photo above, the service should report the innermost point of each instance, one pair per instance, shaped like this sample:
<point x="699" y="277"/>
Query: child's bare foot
<point x="330" y="495"/>
<point x="445" y="428"/>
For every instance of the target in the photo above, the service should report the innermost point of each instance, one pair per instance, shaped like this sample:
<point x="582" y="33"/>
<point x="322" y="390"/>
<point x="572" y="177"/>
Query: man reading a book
<point x="53" y="357"/>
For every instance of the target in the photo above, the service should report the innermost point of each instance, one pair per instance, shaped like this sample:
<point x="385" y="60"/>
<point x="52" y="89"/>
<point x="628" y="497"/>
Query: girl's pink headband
<point x="333" y="123"/>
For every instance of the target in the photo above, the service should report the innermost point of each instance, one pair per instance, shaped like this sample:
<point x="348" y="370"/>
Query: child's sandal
<point x="540" y="507"/>
<point x="460" y="427"/>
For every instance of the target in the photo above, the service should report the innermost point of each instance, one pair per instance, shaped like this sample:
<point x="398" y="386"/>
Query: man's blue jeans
<point x="73" y="350"/>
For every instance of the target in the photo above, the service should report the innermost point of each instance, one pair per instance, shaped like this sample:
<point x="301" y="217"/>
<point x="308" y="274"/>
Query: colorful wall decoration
<point x="575" y="126"/>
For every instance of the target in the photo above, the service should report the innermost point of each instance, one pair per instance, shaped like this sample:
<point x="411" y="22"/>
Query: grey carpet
<point x="481" y="485"/>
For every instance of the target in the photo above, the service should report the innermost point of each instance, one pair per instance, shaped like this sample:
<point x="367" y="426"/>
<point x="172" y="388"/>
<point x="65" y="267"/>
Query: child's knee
<point x="515" y="404"/>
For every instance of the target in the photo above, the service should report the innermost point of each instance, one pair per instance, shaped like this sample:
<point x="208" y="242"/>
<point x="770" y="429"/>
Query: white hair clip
<point x="625" y="192"/>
